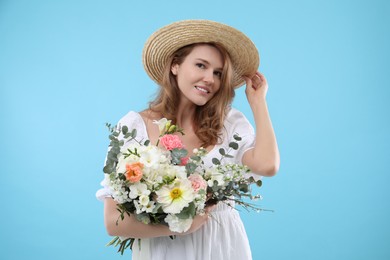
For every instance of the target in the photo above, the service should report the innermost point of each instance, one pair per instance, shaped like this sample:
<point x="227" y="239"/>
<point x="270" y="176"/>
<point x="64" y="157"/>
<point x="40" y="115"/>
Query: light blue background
<point x="67" y="67"/>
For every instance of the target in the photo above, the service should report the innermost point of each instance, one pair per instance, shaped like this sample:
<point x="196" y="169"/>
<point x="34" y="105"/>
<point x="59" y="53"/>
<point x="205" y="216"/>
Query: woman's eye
<point x="200" y="65"/>
<point x="218" y="74"/>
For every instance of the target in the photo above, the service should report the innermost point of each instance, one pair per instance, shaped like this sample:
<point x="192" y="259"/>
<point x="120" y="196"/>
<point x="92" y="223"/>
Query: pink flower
<point x="184" y="161"/>
<point x="171" y="142"/>
<point x="197" y="181"/>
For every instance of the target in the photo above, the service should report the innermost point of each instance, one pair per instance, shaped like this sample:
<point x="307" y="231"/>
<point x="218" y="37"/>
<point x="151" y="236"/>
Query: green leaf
<point x="196" y="158"/>
<point x="107" y="169"/>
<point x="187" y="212"/>
<point x="222" y="151"/>
<point x="190" y="167"/>
<point x="127" y="135"/>
<point x="113" y="241"/>
<point x="147" y="142"/>
<point x="233" y="145"/>
<point x="216" y="161"/>
<point x="237" y="137"/>
<point x="259" y="183"/>
<point x="179" y="152"/>
<point x="133" y="133"/>
<point x="244" y="188"/>
<point x="125" y="129"/>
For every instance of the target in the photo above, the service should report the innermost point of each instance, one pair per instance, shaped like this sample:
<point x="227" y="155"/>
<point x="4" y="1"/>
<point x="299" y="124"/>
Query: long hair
<point x="209" y="118"/>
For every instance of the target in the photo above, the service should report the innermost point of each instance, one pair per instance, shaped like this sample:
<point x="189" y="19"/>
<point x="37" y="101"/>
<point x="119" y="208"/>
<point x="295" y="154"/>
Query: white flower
<point x="137" y="207"/>
<point x="162" y="124"/>
<point x="150" y="207"/>
<point x="214" y="175"/>
<point x="122" y="162"/>
<point x="152" y="157"/>
<point x="176" y="196"/>
<point x="143" y="200"/>
<point x="178" y="225"/>
<point x="138" y="189"/>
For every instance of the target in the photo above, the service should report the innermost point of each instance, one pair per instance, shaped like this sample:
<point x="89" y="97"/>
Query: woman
<point x="198" y="64"/>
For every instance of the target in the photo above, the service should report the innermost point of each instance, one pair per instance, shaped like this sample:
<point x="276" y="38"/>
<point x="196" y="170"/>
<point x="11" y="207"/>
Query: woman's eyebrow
<point x="208" y="63"/>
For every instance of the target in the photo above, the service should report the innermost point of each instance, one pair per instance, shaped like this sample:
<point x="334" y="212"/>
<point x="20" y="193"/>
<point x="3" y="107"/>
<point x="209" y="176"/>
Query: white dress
<point x="223" y="236"/>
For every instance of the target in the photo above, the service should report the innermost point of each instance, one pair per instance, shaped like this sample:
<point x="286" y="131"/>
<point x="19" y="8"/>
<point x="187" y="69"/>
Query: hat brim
<point x="164" y="42"/>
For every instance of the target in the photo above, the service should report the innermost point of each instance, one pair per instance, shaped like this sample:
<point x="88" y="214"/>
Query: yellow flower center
<point x="176" y="193"/>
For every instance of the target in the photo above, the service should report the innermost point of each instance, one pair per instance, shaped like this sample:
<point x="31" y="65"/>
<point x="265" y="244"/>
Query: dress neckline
<point x="147" y="135"/>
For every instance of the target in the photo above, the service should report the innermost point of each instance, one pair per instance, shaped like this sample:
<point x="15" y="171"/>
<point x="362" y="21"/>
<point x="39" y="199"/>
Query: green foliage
<point x="191" y="167"/>
<point x="177" y="155"/>
<point x="237" y="137"/>
<point x="233" y="145"/>
<point x="216" y="161"/>
<point x="187" y="212"/>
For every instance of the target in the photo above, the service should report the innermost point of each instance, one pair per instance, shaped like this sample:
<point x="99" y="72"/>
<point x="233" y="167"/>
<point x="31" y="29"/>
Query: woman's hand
<point x="199" y="220"/>
<point x="256" y="88"/>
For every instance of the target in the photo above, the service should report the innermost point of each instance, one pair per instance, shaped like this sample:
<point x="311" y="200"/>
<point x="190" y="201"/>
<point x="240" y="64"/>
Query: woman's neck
<point x="185" y="116"/>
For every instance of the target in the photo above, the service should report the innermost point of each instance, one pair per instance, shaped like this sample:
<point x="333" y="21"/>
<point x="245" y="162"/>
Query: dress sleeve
<point x="238" y="124"/>
<point x="132" y="120"/>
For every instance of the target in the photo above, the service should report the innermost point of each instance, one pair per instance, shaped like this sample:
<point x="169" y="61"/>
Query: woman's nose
<point x="209" y="76"/>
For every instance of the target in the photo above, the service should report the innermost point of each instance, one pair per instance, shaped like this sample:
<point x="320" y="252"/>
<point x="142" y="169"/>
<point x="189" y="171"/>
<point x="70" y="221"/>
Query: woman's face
<point x="199" y="76"/>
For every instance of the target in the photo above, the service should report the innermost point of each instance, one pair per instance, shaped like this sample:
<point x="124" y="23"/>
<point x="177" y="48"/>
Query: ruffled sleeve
<point x="237" y="123"/>
<point x="132" y="120"/>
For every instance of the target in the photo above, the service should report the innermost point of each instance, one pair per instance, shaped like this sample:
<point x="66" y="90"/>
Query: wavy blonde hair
<point x="209" y="118"/>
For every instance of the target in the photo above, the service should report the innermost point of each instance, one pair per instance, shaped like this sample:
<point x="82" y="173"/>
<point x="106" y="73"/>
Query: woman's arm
<point x="264" y="158"/>
<point x="131" y="227"/>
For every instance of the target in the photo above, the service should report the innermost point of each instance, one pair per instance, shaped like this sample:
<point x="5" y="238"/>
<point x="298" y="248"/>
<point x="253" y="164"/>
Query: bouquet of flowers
<point x="164" y="185"/>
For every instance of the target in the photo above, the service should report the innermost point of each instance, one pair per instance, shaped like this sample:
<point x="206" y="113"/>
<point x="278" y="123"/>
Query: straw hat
<point x="165" y="41"/>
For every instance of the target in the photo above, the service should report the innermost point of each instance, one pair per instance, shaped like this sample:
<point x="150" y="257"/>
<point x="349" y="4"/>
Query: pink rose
<point x="197" y="181"/>
<point x="171" y="142"/>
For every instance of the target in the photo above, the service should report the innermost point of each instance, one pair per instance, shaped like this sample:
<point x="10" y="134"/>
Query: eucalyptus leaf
<point x="244" y="188"/>
<point x="107" y="169"/>
<point x="216" y="161"/>
<point x="127" y="135"/>
<point x="237" y="137"/>
<point x="179" y="152"/>
<point x="125" y="129"/>
<point x="191" y="167"/>
<point x="222" y="151"/>
<point x="196" y="158"/>
<point x="133" y="133"/>
<point x="233" y="145"/>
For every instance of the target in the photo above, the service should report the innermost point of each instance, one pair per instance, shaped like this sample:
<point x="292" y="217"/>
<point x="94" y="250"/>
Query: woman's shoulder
<point x="130" y="117"/>
<point x="133" y="120"/>
<point x="236" y="121"/>
<point x="235" y="116"/>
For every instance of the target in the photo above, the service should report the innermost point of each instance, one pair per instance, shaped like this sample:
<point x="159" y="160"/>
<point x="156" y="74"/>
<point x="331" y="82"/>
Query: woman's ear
<point x="174" y="69"/>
